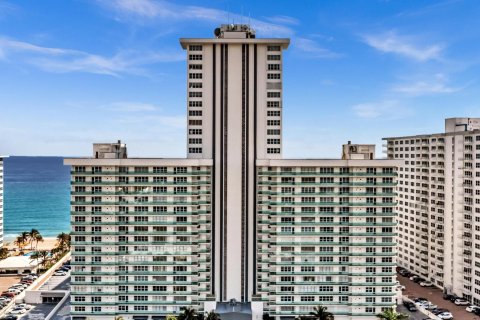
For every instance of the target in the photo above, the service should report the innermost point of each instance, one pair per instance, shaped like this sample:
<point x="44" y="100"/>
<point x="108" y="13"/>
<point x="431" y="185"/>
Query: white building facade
<point x="234" y="221"/>
<point x="439" y="206"/>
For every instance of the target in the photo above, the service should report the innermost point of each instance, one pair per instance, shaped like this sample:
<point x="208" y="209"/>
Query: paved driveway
<point x="434" y="295"/>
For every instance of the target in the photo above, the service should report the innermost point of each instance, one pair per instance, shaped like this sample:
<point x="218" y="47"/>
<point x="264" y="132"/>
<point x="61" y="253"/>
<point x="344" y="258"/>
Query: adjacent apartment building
<point x="1" y="199"/>
<point x="234" y="222"/>
<point x="439" y="205"/>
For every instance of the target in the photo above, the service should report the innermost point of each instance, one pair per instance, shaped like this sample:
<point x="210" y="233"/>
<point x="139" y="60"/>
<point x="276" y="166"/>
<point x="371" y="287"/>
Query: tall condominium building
<point x="1" y="200"/>
<point x="439" y="206"/>
<point x="233" y="222"/>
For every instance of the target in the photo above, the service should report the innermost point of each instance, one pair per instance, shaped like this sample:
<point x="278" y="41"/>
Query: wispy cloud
<point x="391" y="42"/>
<point x="283" y="20"/>
<point x="387" y="110"/>
<point x="313" y="48"/>
<point x="62" y="60"/>
<point x="130" y="107"/>
<point x="164" y="11"/>
<point x="438" y="84"/>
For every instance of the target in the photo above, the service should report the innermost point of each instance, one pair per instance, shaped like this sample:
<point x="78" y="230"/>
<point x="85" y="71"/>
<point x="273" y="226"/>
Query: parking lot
<point x="413" y="290"/>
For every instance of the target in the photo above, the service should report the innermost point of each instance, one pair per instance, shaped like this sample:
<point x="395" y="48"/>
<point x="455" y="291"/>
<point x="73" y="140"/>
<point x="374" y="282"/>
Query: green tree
<point x="391" y="314"/>
<point x="21" y="241"/>
<point x="32" y="236"/>
<point x="187" y="314"/>
<point x="212" y="315"/>
<point x="44" y="257"/>
<point x="321" y="313"/>
<point x="171" y="317"/>
<point x="63" y="241"/>
<point x="4" y="253"/>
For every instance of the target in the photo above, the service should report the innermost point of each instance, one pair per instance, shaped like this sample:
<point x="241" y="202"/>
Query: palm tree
<point x="391" y="314"/>
<point x="44" y="257"/>
<point x="212" y="315"/>
<point x="63" y="240"/>
<point x="3" y="253"/>
<point x="38" y="238"/>
<point x="187" y="314"/>
<point x="21" y="241"/>
<point x="32" y="235"/>
<point x="321" y="313"/>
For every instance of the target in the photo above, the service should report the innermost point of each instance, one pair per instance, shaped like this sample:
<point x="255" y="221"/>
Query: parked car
<point x="14" y="291"/>
<point x="461" y="302"/>
<point x="426" y="284"/>
<point x="454" y="297"/>
<point x="420" y="299"/>
<point x="445" y="316"/>
<point x="446" y="296"/>
<point x="24" y="306"/>
<point x="471" y="308"/>
<point x="8" y="294"/>
<point x="10" y="317"/>
<point x="410" y="306"/>
<point x="439" y="311"/>
<point x="18" y="311"/>
<point x="413" y="277"/>
<point x="400" y="287"/>
<point x="60" y="273"/>
<point x="418" y="280"/>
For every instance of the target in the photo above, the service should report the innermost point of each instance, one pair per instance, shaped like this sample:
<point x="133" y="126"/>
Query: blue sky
<point x="76" y="72"/>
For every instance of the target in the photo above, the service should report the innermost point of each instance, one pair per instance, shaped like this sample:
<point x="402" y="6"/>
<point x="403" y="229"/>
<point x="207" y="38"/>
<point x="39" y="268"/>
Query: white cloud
<point x="390" y="42"/>
<point x="436" y="85"/>
<point x="165" y="11"/>
<point x="313" y="48"/>
<point x="283" y="20"/>
<point x="131" y="107"/>
<point x="387" y="110"/>
<point x="68" y="60"/>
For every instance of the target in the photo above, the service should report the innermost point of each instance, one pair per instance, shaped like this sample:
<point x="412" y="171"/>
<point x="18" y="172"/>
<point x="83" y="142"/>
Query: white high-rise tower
<point x="234" y="118"/>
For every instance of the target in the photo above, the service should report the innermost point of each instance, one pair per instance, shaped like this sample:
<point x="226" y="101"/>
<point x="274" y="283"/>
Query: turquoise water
<point x="36" y="195"/>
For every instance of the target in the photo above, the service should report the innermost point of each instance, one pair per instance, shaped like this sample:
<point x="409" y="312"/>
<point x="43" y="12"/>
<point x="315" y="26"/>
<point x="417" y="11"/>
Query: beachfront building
<point x="439" y="205"/>
<point x="234" y="227"/>
<point x="1" y="199"/>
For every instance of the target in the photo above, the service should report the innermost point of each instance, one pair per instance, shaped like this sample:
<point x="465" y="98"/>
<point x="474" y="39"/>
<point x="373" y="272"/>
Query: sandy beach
<point x="47" y="244"/>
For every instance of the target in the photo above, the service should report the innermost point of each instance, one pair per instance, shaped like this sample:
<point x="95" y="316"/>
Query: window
<point x="195" y="113"/>
<point x="273" y="122"/>
<point x="273" y="48"/>
<point x="273" y="141"/>
<point x="273" y="66"/>
<point x="273" y="113"/>
<point x="195" y="47"/>
<point x="196" y="85"/>
<point x="194" y="150"/>
<point x="273" y="104"/>
<point x="195" y="76"/>
<point x="193" y="57"/>
<point x="273" y="57"/>
<point x="195" y="66"/>
<point x="272" y="76"/>
<point x="195" y="103"/>
<point x="273" y="150"/>
<point x="273" y="132"/>
<point x="273" y="94"/>
<point x="195" y="141"/>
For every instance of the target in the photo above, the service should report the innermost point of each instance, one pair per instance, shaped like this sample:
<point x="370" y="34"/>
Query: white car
<point x="426" y="284"/>
<point x="471" y="308"/>
<point x="445" y="316"/>
<point x="23" y="306"/>
<point x="60" y="273"/>
<point x="400" y="287"/>
<point x="461" y="302"/>
<point x="18" y="311"/>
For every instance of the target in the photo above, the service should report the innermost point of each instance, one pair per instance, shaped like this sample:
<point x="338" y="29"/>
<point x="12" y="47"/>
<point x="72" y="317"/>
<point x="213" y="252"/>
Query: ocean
<point x="36" y="195"/>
